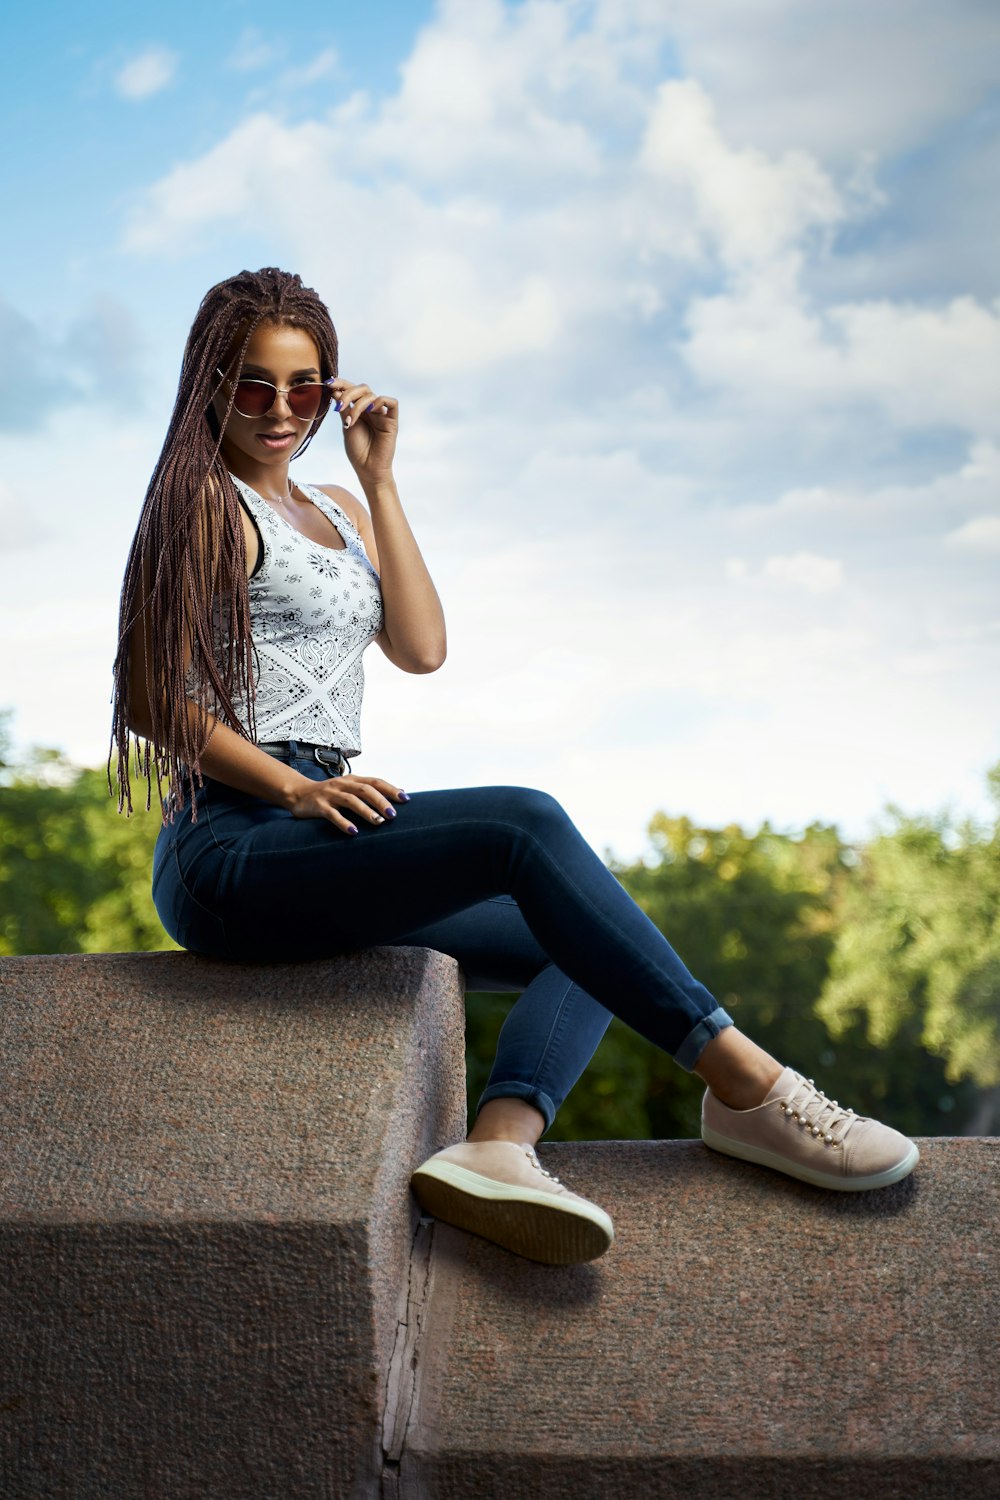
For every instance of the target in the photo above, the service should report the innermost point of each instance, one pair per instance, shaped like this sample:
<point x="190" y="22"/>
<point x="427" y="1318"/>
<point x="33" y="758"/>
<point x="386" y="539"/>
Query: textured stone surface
<point x="205" y="1251"/>
<point x="746" y="1336"/>
<point x="204" y="1220"/>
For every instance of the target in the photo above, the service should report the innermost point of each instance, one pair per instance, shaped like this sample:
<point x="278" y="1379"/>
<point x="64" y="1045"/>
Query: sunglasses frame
<point x="281" y="390"/>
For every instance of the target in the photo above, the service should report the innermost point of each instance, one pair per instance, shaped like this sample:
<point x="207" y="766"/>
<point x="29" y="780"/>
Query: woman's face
<point x="285" y="356"/>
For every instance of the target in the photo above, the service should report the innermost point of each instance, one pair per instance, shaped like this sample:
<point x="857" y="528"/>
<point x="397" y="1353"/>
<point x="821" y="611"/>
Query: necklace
<point x="281" y="499"/>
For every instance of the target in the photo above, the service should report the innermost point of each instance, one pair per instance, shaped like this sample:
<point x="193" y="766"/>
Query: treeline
<point x="874" y="970"/>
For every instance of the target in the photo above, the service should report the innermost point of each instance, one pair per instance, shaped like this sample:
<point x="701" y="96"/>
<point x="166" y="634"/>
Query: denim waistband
<point x="329" y="756"/>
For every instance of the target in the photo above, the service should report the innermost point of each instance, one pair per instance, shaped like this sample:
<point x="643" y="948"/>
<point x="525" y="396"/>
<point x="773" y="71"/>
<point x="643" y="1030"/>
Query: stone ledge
<point x="206" y="1244"/>
<point x="746" y="1336"/>
<point x="204" y="1218"/>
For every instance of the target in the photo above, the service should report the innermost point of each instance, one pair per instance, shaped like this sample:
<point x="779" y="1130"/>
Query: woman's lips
<point x="276" y="441"/>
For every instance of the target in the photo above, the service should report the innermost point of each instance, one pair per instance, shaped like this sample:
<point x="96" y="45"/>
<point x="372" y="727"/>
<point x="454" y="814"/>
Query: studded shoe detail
<point x="798" y="1130"/>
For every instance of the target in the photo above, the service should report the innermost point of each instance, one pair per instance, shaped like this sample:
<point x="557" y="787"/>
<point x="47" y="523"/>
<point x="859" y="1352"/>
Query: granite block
<point x="205" y="1226"/>
<point x="746" y="1336"/>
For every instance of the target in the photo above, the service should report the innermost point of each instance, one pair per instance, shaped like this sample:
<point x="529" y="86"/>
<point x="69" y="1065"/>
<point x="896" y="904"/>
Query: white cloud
<point x="942" y="501"/>
<point x="837" y="81"/>
<point x="21" y="525"/>
<point x="490" y="272"/>
<point x="750" y="206"/>
<point x="927" y="364"/>
<point x="981" y="535"/>
<point x="450" y="321"/>
<point x="663" y="480"/>
<point x="762" y="342"/>
<point x="806" y="570"/>
<point x="147" y="73"/>
<point x="489" y="90"/>
<point x="261" y="165"/>
<point x="590" y="630"/>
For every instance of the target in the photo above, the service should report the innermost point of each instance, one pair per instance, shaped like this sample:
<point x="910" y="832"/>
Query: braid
<point x="186" y="576"/>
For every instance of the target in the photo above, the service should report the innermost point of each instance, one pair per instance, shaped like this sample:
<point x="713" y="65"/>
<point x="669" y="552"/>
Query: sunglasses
<point x="306" y="401"/>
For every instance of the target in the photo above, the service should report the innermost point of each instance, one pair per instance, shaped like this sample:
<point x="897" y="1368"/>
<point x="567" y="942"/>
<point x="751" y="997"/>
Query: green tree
<point x="74" y="875"/>
<point x="756" y="917"/>
<point x="751" y="915"/>
<point x="877" y="971"/>
<point x="918" y="947"/>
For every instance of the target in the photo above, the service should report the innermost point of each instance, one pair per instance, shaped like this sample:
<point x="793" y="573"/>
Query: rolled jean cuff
<point x="516" y="1090"/>
<point x="697" y="1040"/>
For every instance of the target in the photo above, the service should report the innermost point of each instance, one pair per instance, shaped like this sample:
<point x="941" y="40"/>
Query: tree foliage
<point x="874" y="970"/>
<point x="74" y="876"/>
<point x="762" y="919"/>
<point x="919" y="942"/>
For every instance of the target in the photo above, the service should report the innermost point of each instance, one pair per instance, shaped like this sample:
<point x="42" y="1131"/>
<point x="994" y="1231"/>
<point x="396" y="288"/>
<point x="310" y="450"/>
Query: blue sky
<point x="89" y="144"/>
<point x="694" y="317"/>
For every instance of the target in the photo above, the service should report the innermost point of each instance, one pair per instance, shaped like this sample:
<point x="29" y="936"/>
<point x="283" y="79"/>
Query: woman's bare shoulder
<point x="348" y="503"/>
<point x="357" y="515"/>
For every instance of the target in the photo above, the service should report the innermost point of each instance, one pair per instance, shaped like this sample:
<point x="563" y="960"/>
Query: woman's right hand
<point x="341" y="798"/>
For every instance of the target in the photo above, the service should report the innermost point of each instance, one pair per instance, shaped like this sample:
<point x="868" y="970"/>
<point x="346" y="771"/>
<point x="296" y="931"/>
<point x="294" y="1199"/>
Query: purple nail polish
<point x="370" y="408"/>
<point x="390" y="812"/>
<point x="403" y="797"/>
<point x="337" y="405"/>
<point x="351" y="828"/>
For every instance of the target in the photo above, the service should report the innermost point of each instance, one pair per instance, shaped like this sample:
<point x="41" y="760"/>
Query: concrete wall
<point x="214" y="1283"/>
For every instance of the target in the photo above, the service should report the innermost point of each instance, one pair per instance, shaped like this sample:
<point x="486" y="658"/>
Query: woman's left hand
<point x="370" y="424"/>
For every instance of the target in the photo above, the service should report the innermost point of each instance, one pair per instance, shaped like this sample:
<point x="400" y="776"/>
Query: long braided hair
<point x="186" y="577"/>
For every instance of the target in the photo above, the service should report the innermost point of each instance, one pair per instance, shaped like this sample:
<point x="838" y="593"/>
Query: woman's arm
<point x="234" y="760"/>
<point x="413" y="636"/>
<point x="237" y="762"/>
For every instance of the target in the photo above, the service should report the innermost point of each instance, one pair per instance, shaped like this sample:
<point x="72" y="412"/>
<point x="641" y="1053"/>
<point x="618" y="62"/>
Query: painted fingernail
<point x="370" y="408"/>
<point x="390" y="812"/>
<point x="403" y="796"/>
<point x="347" y="421"/>
<point x="377" y="819"/>
<point x="337" y="405"/>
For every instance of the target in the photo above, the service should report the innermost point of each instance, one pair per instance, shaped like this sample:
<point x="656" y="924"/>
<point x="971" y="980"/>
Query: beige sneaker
<point x="799" y="1131"/>
<point x="500" y="1190"/>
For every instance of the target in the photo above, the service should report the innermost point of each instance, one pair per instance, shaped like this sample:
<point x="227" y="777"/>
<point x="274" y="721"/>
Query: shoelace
<point x="530" y="1154"/>
<point x="810" y="1108"/>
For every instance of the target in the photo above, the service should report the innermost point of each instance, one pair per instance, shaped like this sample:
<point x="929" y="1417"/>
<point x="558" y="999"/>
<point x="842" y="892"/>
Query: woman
<point x="247" y="604"/>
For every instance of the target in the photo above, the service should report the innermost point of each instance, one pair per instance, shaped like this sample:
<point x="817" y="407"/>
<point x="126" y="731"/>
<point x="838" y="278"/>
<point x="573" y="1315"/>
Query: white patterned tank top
<point x="313" y="611"/>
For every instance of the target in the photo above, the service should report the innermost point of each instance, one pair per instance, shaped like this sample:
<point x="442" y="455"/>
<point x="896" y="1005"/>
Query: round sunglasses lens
<point x="306" y="401"/>
<point x="253" y="397"/>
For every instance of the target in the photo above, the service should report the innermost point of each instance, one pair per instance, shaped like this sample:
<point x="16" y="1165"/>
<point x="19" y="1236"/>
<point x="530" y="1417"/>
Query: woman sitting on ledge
<point x="248" y="602"/>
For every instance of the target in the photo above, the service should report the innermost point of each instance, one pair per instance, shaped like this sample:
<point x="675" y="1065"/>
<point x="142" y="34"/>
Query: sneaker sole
<point x="782" y="1164"/>
<point x="530" y="1223"/>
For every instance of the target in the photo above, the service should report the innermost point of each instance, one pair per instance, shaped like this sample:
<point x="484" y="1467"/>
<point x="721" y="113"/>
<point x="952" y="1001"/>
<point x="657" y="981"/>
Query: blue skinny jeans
<point x="498" y="877"/>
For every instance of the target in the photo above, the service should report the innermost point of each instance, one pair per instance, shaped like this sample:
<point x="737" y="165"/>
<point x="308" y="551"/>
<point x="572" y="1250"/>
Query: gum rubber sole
<point x="530" y="1223"/>
<point x="789" y="1168"/>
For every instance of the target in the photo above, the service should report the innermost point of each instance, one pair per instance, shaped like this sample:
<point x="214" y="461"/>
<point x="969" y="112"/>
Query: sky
<point x="693" y="314"/>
